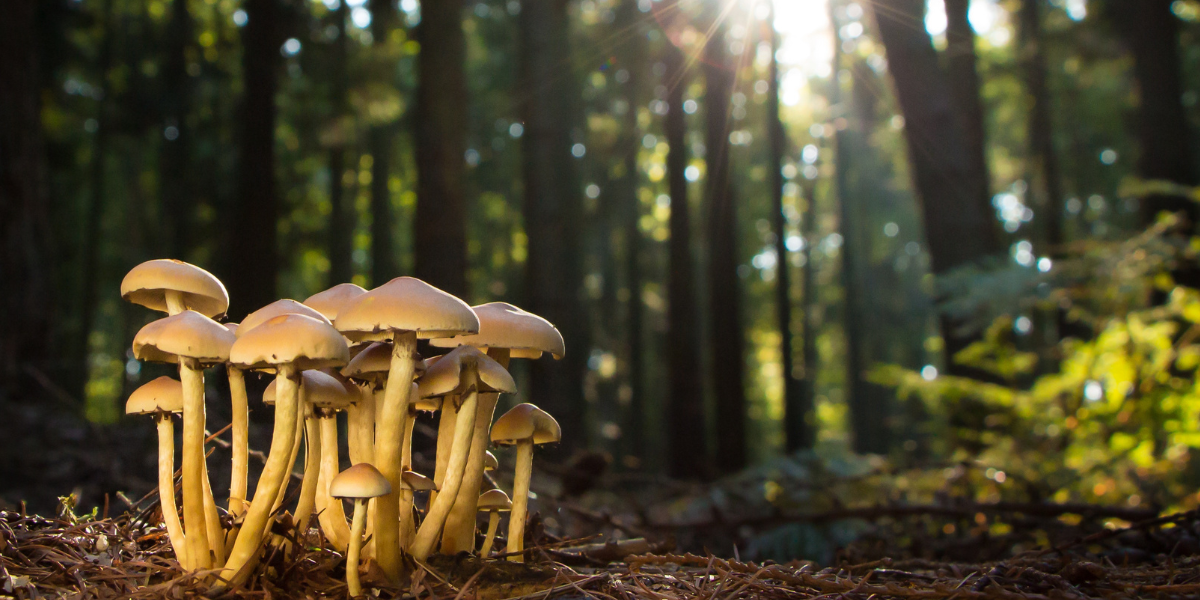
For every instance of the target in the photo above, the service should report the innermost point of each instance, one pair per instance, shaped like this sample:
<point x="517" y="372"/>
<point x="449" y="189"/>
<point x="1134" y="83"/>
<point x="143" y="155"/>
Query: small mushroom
<point x="489" y="462"/>
<point x="493" y="502"/>
<point x="325" y="394"/>
<point x="524" y="425"/>
<point x="160" y="398"/>
<point x="360" y="483"/>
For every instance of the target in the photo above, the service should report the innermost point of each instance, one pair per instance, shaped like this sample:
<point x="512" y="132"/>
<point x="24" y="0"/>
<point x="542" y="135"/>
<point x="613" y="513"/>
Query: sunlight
<point x="806" y="47"/>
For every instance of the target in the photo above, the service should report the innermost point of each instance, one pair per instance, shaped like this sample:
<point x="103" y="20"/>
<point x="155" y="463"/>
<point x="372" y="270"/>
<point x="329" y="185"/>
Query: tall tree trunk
<point x="726" y="341"/>
<point x="552" y="210"/>
<point x="440" y="228"/>
<point x="379" y="144"/>
<point x="254" y="256"/>
<point x="341" y="208"/>
<point x="175" y="191"/>
<point x="797" y="410"/>
<point x="1041" y="127"/>
<point x="24" y="225"/>
<point x="958" y="226"/>
<point x="808" y="302"/>
<point x="964" y="89"/>
<point x="684" y="411"/>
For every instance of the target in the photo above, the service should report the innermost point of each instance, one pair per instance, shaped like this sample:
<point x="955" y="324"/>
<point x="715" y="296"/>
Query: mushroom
<point x="274" y="309"/>
<point x="493" y="502"/>
<point x="289" y="344"/>
<point x="464" y="371"/>
<point x="489" y="462"/>
<point x="524" y="425"/>
<point x="331" y="301"/>
<point x="360" y="483"/>
<point x="173" y="286"/>
<point x="401" y="310"/>
<point x="326" y="395"/>
<point x="240" y="426"/>
<point x="411" y="482"/>
<point x="160" y="398"/>
<point x="193" y="340"/>
<point x="370" y="368"/>
<point x="505" y="331"/>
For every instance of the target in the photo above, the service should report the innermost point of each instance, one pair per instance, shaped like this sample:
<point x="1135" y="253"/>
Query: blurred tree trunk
<point x="175" y="192"/>
<point x="964" y="89"/>
<point x="341" y="207"/>
<point x="726" y="338"/>
<point x="379" y="145"/>
<point x="684" y="410"/>
<point x="553" y="211"/>
<point x="24" y="225"/>
<point x="958" y="225"/>
<point x="440" y="230"/>
<point x="254" y="245"/>
<point x="1041" y="126"/>
<point x="808" y="301"/>
<point x="797" y="408"/>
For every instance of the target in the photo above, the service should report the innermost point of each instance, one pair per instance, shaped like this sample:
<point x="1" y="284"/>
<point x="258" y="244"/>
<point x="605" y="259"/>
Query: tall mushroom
<point x="411" y="482"/>
<point x="524" y="425"/>
<point x="401" y="310"/>
<point x="492" y="502"/>
<point x="160" y="398"/>
<point x="326" y="395"/>
<point x="360" y="483"/>
<point x="240" y="427"/>
<point x="465" y="372"/>
<point x="192" y="340"/>
<point x="288" y="344"/>
<point x="370" y="369"/>
<point x="505" y="331"/>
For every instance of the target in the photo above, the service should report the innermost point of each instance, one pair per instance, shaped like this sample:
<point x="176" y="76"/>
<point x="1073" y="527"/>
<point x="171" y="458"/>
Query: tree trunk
<point x="724" y="286"/>
<point x="797" y="410"/>
<point x="1041" y="127"/>
<point x="341" y="211"/>
<point x="808" y="301"/>
<point x="684" y="411"/>
<point x="959" y="227"/>
<point x="552" y="211"/>
<point x="175" y="192"/>
<point x="440" y="228"/>
<point x="254" y="255"/>
<point x="379" y="145"/>
<point x="964" y="89"/>
<point x="24" y="225"/>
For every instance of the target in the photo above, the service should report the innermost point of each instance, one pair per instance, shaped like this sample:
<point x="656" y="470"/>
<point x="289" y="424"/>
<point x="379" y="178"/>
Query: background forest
<point x="944" y="246"/>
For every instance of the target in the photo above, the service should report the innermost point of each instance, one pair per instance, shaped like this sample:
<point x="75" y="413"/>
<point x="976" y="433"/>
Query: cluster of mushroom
<point x="352" y="350"/>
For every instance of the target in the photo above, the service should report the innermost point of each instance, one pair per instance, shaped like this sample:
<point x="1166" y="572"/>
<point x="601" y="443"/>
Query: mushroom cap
<point x="412" y="480"/>
<point x="148" y="283"/>
<point x="431" y="404"/>
<point x="274" y="309"/>
<point x="320" y="389"/>
<point x="360" y="481"/>
<point x="162" y="395"/>
<point x="523" y="422"/>
<point x="297" y="339"/>
<point x="331" y="301"/>
<point x="373" y="364"/>
<point x="495" y="500"/>
<point x="502" y="325"/>
<point x="489" y="461"/>
<point x="232" y="327"/>
<point x="444" y="377"/>
<point x="188" y="334"/>
<point x="406" y="304"/>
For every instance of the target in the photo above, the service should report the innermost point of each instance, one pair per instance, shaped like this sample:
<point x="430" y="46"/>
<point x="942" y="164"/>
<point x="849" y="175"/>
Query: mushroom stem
<point x="241" y="440"/>
<point x="175" y="304"/>
<point x="445" y="438"/>
<point x="212" y="522"/>
<point x="249" y="539"/>
<point x="439" y="508"/>
<point x="520" y="500"/>
<point x="387" y="451"/>
<point x="332" y="516"/>
<point x="192" y="378"/>
<point x="356" y="531"/>
<point x="166" y="487"/>
<point x="360" y="427"/>
<point x="493" y="525"/>
<point x="460" y="525"/>
<point x="303" y="413"/>
<point x="313" y="449"/>
<point x="410" y="422"/>
<point x="408" y="525"/>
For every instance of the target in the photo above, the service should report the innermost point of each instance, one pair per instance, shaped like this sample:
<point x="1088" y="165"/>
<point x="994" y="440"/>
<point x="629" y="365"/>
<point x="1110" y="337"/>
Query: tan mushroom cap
<point x="232" y="327"/>
<point x="296" y="339"/>
<point x="406" y="304"/>
<point x="188" y="334"/>
<point x="148" y="283"/>
<point x="523" y="422"/>
<point x="373" y="364"/>
<point x="360" y="481"/>
<point x="331" y="301"/>
<point x="412" y="480"/>
<point x="489" y="461"/>
<point x="495" y="500"/>
<point x="274" y="309"/>
<point x="431" y="404"/>
<point x="502" y="325"/>
<point x="319" y="389"/>
<point x="444" y="376"/>
<point x="163" y="395"/>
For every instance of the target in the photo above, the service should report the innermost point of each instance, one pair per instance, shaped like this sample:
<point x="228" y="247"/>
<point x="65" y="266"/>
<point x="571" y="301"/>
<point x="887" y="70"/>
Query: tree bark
<point x="684" y="412"/>
<point x="379" y="144"/>
<point x="726" y="340"/>
<point x="959" y="227"/>
<point x="254" y="255"/>
<point x="25" y="259"/>
<point x="341" y="212"/>
<point x="552" y="211"/>
<point x="440" y="228"/>
<point x="964" y="88"/>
